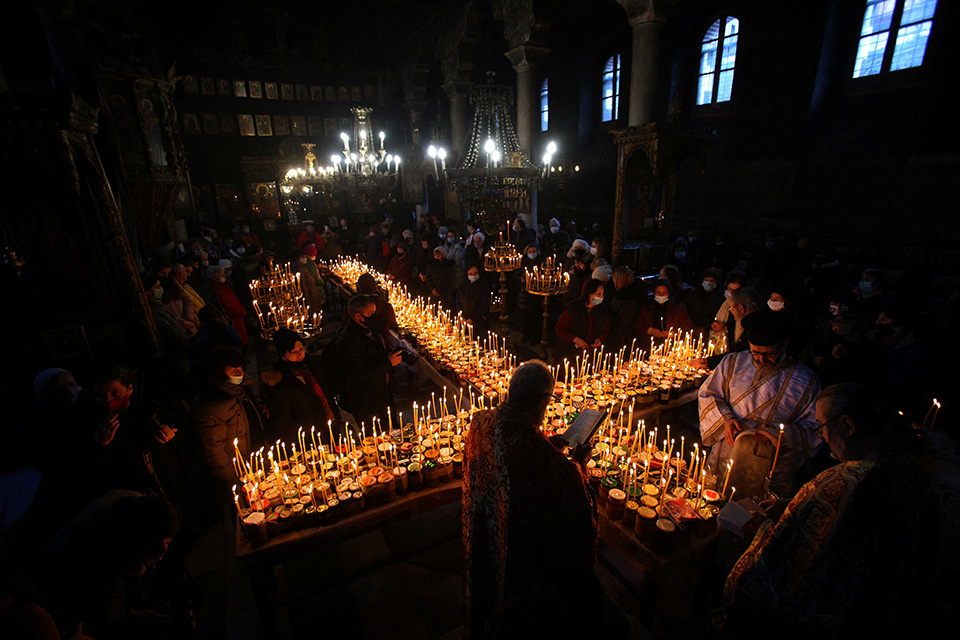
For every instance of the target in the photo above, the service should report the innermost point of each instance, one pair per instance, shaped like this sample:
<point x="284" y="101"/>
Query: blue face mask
<point x="709" y="286"/>
<point x="595" y="300"/>
<point x="865" y="286"/>
<point x="473" y="278"/>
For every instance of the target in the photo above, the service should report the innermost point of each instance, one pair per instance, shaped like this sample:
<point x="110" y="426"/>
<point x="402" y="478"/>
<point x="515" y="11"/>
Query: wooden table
<point x="259" y="562"/>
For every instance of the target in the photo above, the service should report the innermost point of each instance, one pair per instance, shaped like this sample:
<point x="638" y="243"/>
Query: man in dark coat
<point x="364" y="362"/>
<point x="439" y="279"/>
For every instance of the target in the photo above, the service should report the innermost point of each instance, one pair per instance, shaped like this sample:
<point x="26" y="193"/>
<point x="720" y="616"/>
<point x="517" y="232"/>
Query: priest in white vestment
<point x="744" y="401"/>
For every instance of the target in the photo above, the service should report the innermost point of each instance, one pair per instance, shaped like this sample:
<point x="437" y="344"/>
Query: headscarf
<point x="44" y="388"/>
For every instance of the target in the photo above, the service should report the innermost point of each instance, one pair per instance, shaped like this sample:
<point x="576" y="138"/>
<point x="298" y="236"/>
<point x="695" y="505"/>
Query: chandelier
<point x="495" y="178"/>
<point x="361" y="164"/>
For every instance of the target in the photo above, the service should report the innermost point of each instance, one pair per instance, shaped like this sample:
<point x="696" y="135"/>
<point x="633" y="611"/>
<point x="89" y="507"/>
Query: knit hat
<point x="440" y="250"/>
<point x="310" y="250"/>
<point x="225" y="263"/>
<point x="603" y="273"/>
<point x="284" y="341"/>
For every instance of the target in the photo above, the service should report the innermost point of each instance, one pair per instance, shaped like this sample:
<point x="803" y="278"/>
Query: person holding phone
<point x="364" y="362"/>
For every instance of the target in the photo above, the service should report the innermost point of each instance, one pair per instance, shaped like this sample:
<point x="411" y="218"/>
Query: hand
<point x="580" y="343"/>
<point x="469" y="322"/>
<point x="436" y="293"/>
<point x="395" y="358"/>
<point x="164" y="434"/>
<point x="730" y="430"/>
<point x="596" y="343"/>
<point x="774" y="508"/>
<point x="265" y="410"/>
<point x="838" y="352"/>
<point x="717" y="327"/>
<point x="423" y="277"/>
<point x="697" y="362"/>
<point x="106" y="430"/>
<point x="581" y="453"/>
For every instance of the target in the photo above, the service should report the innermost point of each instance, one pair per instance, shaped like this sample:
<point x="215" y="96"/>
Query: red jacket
<point x="232" y="308"/>
<point x="589" y="325"/>
<point x="676" y="317"/>
<point x="317" y="239"/>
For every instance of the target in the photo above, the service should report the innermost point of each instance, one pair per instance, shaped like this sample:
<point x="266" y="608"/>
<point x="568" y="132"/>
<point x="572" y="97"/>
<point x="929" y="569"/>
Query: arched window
<point x="716" y="71"/>
<point x="611" y="89"/>
<point x="912" y="20"/>
<point x="544" y="107"/>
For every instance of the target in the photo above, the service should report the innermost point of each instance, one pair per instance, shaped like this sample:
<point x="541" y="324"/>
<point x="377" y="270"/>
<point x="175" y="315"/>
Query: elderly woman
<point x="662" y="315"/>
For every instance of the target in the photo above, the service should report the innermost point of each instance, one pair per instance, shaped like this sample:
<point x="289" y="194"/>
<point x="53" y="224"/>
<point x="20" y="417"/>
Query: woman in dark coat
<point x="585" y="322"/>
<point x="624" y="295"/>
<point x="528" y="304"/>
<point x="295" y="391"/>
<point x="225" y="410"/>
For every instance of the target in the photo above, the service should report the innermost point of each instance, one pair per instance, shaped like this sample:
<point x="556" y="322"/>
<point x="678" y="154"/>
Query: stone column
<point x="459" y="96"/>
<point x="647" y="24"/>
<point x="526" y="61"/>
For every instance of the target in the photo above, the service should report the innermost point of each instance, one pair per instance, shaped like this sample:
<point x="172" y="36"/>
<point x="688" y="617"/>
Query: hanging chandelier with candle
<point x="363" y="162"/>
<point x="495" y="178"/>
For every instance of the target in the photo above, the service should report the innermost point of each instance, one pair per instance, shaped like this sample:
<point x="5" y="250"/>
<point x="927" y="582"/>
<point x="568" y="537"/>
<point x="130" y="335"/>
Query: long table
<point x="259" y="562"/>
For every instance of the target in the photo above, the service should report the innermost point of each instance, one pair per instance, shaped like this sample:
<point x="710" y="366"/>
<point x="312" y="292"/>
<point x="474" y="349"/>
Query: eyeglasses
<point x="821" y="426"/>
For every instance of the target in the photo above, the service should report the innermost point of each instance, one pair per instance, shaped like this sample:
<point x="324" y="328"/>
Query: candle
<point x="777" y="454"/>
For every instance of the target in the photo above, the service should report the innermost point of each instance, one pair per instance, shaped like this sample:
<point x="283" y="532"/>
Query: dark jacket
<point x="589" y="325"/>
<point x="674" y="317"/>
<point x="363" y="370"/>
<point x="623" y="305"/>
<point x="703" y="306"/>
<point x="401" y="269"/>
<point x="222" y="412"/>
<point x="297" y="395"/>
<point x="440" y="279"/>
<point x="473" y="301"/>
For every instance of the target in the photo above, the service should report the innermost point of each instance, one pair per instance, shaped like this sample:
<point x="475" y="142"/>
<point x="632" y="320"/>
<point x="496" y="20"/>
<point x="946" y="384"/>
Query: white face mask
<point x="709" y="286"/>
<point x="158" y="293"/>
<point x="223" y="279"/>
<point x="596" y="301"/>
<point x="661" y="299"/>
<point x="727" y="294"/>
<point x="235" y="379"/>
<point x="593" y="251"/>
<point x="473" y="278"/>
<point x="775" y="305"/>
<point x="532" y="254"/>
<point x="554" y="229"/>
<point x="303" y="259"/>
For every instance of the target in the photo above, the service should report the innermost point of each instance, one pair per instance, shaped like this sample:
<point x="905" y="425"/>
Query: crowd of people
<point x="130" y="470"/>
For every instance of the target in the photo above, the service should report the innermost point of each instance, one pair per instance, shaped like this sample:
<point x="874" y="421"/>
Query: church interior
<point x="804" y="146"/>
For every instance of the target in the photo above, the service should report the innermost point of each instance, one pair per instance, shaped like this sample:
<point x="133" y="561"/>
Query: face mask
<point x="118" y="404"/>
<point x="775" y="305"/>
<point x="400" y="252"/>
<point x="661" y="299"/>
<point x="595" y="300"/>
<point x="235" y="379"/>
<point x="593" y="251"/>
<point x="532" y="255"/>
<point x="719" y="243"/>
<point x="768" y="244"/>
<point x="865" y="286"/>
<point x="309" y="228"/>
<point x="691" y="238"/>
<point x="158" y="293"/>
<point x="241" y="251"/>
<point x="473" y="278"/>
<point x="223" y="279"/>
<point x="302" y="259"/>
<point x="834" y="309"/>
<point x="554" y="229"/>
<point x="679" y="255"/>
<point x="407" y="239"/>
<point x="727" y="294"/>
<point x="709" y="286"/>
<point x="516" y="228"/>
<point x="246" y="230"/>
<point x="440" y="235"/>
<point x="450" y="240"/>
<point x="205" y="263"/>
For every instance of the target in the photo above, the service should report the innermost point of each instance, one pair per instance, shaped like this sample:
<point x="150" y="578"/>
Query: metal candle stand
<point x="502" y="258"/>
<point x="546" y="281"/>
